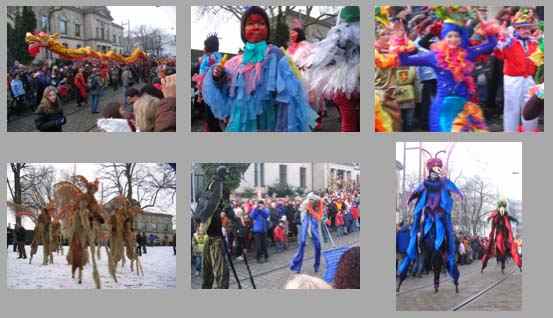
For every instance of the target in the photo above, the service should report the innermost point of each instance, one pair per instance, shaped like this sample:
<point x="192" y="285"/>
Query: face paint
<point x="293" y="36"/>
<point x="255" y="29"/>
<point x="501" y="210"/>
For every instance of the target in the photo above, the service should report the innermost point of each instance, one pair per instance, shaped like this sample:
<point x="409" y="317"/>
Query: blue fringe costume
<point x="260" y="96"/>
<point x="435" y="203"/>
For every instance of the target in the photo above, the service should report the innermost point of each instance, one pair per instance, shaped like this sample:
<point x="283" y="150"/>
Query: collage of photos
<point x="275" y="209"/>
<point x="91" y="69"/>
<point x="91" y="225"/>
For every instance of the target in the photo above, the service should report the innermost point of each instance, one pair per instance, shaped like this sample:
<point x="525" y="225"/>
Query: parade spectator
<point x="18" y="92"/>
<point x="20" y="234"/>
<point x="80" y="84"/>
<point x="348" y="272"/>
<point x="279" y="236"/>
<point x="260" y="216"/>
<point x="94" y="84"/>
<point x="340" y="225"/>
<point x="127" y="80"/>
<point x="145" y="110"/>
<point x="166" y="117"/>
<point x="198" y="241"/>
<point x="50" y="117"/>
<point x="9" y="236"/>
<point x="302" y="281"/>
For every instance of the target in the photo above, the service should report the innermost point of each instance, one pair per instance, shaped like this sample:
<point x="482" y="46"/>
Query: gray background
<point x="375" y="153"/>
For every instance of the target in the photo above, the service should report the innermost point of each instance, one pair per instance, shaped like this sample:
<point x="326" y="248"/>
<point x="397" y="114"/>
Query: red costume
<point x="501" y="238"/>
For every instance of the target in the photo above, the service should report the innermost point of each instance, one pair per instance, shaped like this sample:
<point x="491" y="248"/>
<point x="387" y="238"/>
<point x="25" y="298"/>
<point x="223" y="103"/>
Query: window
<point x="256" y="175"/>
<point x="77" y="30"/>
<point x="78" y="46"/>
<point x="303" y="177"/>
<point x="262" y="174"/>
<point x="44" y="22"/>
<point x="65" y="45"/>
<point x="63" y="26"/>
<point x="97" y="33"/>
<point x="283" y="174"/>
<point x="114" y="38"/>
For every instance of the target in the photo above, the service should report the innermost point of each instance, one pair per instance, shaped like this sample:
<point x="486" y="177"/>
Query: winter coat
<point x="49" y="119"/>
<point x="166" y="117"/>
<point x="259" y="218"/>
<point x="279" y="233"/>
<point x="80" y="83"/>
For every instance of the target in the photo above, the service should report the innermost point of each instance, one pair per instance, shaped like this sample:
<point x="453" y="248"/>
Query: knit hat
<point x="250" y="11"/>
<point x="349" y="14"/>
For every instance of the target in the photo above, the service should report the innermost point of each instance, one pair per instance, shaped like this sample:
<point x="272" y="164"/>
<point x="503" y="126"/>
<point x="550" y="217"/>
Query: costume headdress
<point x="454" y="18"/>
<point x="524" y="17"/>
<point x="211" y="43"/>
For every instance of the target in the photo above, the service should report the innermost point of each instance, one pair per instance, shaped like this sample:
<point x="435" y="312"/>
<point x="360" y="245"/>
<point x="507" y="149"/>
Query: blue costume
<point x="209" y="59"/>
<point x="435" y="203"/>
<point x="452" y="96"/>
<point x="308" y="221"/>
<point x="260" y="93"/>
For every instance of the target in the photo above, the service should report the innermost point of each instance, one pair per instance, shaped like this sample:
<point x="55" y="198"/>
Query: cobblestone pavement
<point x="330" y="123"/>
<point x="79" y="119"/>
<point x="275" y="273"/>
<point x="417" y="294"/>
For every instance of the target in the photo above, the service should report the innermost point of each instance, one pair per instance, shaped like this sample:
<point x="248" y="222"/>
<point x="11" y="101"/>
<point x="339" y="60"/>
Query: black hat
<point x="253" y="10"/>
<point x="211" y="43"/>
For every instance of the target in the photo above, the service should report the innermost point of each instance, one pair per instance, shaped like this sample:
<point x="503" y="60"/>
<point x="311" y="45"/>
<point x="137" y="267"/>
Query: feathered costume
<point x="435" y="203"/>
<point x="452" y="109"/>
<point x="333" y="67"/>
<point x="261" y="90"/>
<point x="501" y="238"/>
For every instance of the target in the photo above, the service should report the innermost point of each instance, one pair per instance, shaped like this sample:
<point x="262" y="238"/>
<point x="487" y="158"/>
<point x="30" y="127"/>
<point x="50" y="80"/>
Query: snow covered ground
<point x="160" y="271"/>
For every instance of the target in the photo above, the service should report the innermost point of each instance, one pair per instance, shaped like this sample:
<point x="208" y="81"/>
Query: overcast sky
<point x="499" y="163"/>
<point x="225" y="25"/>
<point x="89" y="171"/>
<point x="157" y="17"/>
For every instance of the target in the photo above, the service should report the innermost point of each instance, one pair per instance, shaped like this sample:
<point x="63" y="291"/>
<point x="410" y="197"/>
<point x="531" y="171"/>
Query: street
<point x="275" y="273"/>
<point x="159" y="265"/>
<point x="489" y="291"/>
<point x="79" y="119"/>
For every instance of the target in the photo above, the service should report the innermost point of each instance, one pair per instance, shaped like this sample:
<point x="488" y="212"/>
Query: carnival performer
<point x="452" y="60"/>
<point x="501" y="238"/>
<point x="434" y="202"/>
<point x="299" y="50"/>
<point x="312" y="210"/>
<point x="211" y="57"/>
<point x="518" y="70"/>
<point x="333" y="68"/>
<point x="259" y="90"/>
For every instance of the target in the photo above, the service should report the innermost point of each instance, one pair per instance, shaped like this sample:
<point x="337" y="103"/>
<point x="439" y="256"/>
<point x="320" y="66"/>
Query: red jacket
<point x="340" y="219"/>
<point x="516" y="61"/>
<point x="355" y="213"/>
<point x="80" y="82"/>
<point x="278" y="234"/>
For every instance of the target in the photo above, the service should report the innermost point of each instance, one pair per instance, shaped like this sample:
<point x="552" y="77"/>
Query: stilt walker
<point x="434" y="202"/>
<point x="312" y="210"/>
<point x="501" y="238"/>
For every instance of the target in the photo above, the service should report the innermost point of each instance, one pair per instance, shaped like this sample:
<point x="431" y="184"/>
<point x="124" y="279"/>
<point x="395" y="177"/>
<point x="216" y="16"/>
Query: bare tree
<point x="144" y="183"/>
<point x="471" y="214"/>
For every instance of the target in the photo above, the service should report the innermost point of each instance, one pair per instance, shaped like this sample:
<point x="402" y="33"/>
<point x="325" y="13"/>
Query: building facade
<point x="158" y="226"/>
<point x="310" y="176"/>
<point x="79" y="26"/>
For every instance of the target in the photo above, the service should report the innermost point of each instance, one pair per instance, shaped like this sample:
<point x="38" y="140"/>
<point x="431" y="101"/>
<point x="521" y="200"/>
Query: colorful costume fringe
<point x="261" y="96"/>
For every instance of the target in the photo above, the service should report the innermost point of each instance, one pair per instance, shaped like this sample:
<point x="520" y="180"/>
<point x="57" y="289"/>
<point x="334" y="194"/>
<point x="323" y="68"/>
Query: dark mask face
<point x="256" y="29"/>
